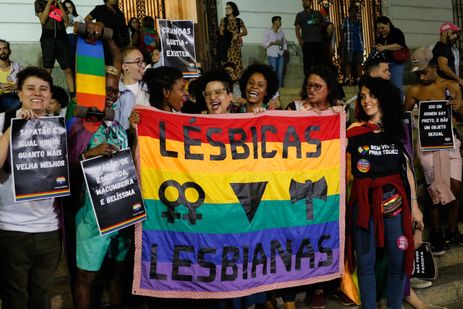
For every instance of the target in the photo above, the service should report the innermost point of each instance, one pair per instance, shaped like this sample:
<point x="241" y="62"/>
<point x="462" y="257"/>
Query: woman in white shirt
<point x="30" y="242"/>
<point x="130" y="87"/>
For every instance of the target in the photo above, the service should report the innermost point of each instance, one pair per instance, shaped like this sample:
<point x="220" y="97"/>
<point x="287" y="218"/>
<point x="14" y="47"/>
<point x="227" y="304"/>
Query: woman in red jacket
<point x="383" y="202"/>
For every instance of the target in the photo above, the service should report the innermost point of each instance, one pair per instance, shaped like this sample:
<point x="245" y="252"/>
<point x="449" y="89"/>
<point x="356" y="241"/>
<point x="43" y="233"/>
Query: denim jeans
<point x="277" y="64"/>
<point x="365" y="245"/>
<point x="397" y="76"/>
<point x="9" y="101"/>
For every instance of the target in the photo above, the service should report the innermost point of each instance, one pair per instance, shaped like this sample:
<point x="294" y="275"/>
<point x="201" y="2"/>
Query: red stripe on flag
<point x="177" y="126"/>
<point x="89" y="100"/>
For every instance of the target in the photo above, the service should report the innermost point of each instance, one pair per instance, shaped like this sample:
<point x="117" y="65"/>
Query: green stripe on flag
<point x="90" y="65"/>
<point x="270" y="214"/>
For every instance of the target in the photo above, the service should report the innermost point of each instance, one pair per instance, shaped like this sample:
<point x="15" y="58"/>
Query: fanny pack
<point x="391" y="204"/>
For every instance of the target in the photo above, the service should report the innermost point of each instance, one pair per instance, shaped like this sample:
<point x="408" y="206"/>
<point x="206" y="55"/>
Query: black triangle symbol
<point x="249" y="195"/>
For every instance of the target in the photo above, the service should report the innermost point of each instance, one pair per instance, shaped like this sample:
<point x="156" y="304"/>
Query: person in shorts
<point x="54" y="41"/>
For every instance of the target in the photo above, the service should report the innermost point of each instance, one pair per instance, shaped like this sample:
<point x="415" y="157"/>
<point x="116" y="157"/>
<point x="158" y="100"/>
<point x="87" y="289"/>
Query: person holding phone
<point x="54" y="41"/>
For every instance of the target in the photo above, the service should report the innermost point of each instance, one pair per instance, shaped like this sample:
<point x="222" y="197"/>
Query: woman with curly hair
<point x="380" y="211"/>
<point x="231" y="31"/>
<point x="166" y="88"/>
<point x="320" y="91"/>
<point x="258" y="85"/>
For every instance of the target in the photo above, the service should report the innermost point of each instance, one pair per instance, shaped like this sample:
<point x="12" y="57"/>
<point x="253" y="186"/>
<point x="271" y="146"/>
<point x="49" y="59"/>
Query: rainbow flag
<point x="239" y="203"/>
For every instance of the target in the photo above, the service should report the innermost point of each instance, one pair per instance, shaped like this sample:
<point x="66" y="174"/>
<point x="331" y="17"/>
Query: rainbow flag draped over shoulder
<point x="239" y="203"/>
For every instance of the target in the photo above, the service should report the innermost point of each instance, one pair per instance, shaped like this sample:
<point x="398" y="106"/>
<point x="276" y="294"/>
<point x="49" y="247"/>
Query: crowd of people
<point x="383" y="214"/>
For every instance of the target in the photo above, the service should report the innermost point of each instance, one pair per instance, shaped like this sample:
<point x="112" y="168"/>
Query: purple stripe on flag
<point x="239" y="283"/>
<point x="326" y="233"/>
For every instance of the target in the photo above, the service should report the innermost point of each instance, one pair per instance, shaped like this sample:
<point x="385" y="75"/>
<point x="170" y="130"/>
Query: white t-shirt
<point x="141" y="97"/>
<point x="72" y="20"/>
<point x="31" y="217"/>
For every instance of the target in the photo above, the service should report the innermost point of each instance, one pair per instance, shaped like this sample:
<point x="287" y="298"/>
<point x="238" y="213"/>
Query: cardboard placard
<point x="435" y="125"/>
<point x="39" y="161"/>
<point x="178" y="45"/>
<point x="114" y="191"/>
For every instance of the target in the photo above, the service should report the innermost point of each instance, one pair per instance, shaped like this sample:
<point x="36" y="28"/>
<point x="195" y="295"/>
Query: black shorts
<point x="55" y="48"/>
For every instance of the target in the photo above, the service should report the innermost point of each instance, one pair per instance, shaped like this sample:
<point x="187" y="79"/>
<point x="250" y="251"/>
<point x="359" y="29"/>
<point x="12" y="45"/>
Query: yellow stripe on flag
<point x="90" y="84"/>
<point x="150" y="157"/>
<point x="277" y="187"/>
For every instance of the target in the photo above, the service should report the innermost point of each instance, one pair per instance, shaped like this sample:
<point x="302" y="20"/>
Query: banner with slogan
<point x="178" y="45"/>
<point x="239" y="203"/>
<point x="39" y="160"/>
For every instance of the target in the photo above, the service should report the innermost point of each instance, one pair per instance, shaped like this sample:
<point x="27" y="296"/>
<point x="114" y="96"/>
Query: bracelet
<point x="112" y="70"/>
<point x="413" y="198"/>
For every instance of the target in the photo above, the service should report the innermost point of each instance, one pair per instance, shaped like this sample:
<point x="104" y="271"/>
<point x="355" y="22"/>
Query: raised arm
<point x="4" y="146"/>
<point x="43" y="16"/>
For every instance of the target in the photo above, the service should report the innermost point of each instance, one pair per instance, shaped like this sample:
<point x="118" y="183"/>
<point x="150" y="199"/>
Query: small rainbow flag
<point x="239" y="203"/>
<point x="90" y="77"/>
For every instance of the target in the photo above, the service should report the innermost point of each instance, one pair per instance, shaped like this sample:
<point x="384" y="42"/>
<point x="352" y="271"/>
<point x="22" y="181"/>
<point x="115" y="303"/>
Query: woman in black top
<point x="383" y="201"/>
<point x="110" y="15"/>
<point x="390" y="39"/>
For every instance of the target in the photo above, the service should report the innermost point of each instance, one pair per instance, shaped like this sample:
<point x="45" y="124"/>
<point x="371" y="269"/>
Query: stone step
<point x="448" y="288"/>
<point x="446" y="291"/>
<point x="452" y="257"/>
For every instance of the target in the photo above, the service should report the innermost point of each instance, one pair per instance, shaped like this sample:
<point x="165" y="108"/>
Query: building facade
<point x="418" y="19"/>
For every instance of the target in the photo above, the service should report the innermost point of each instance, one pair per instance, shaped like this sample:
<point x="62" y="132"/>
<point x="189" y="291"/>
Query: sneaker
<point x="454" y="238"/>
<point x="343" y="299"/>
<point x="317" y="300"/>
<point x="438" y="244"/>
<point x="419" y="283"/>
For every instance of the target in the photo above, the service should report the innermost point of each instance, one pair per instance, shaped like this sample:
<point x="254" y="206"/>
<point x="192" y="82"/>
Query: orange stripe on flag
<point x="89" y="100"/>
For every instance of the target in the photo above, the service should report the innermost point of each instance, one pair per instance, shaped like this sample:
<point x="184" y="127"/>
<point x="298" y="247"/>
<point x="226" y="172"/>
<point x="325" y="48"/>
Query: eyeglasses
<point x="113" y="93"/>
<point x="315" y="86"/>
<point x="140" y="63"/>
<point x="216" y="92"/>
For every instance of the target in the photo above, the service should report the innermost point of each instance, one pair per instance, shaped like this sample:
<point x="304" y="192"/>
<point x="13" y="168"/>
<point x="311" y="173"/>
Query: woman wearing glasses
<point x="130" y="87"/>
<point x="215" y="88"/>
<point x="319" y="92"/>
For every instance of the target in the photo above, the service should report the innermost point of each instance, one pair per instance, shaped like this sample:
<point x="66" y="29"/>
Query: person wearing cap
<point x="442" y="51"/>
<point x="443" y="189"/>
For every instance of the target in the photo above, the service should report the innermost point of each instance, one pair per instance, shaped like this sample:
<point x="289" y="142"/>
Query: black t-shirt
<point x="395" y="36"/>
<point x="51" y="28"/>
<point x="371" y="157"/>
<point x="444" y="50"/>
<point x="114" y="21"/>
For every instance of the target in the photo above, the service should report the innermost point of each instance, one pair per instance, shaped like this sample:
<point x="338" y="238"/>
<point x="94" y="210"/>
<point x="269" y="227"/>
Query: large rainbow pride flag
<point x="239" y="203"/>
